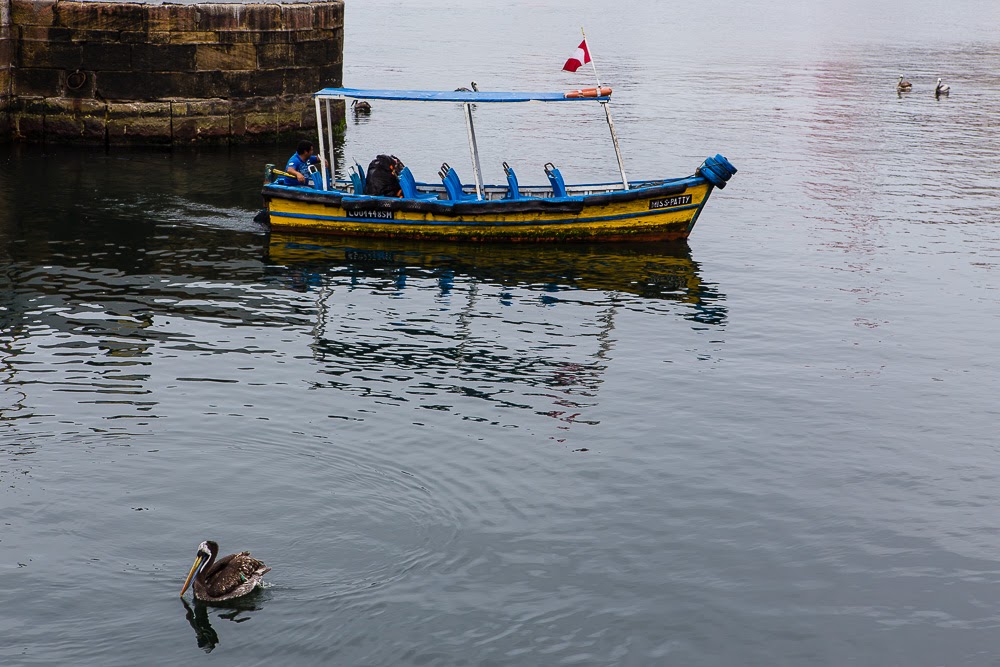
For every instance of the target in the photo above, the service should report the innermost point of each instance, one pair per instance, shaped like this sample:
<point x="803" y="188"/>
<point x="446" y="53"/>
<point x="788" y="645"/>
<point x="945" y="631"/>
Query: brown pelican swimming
<point x="941" y="89"/>
<point x="230" y="577"/>
<point x="361" y="106"/>
<point x="903" y="86"/>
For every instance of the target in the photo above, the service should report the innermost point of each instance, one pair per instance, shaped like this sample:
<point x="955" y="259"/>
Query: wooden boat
<point x="647" y="210"/>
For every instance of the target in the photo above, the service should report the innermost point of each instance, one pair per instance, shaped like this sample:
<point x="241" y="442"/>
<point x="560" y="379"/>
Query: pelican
<point x="941" y="89"/>
<point x="231" y="577"/>
<point x="903" y="86"/>
<point x="463" y="89"/>
<point x="361" y="106"/>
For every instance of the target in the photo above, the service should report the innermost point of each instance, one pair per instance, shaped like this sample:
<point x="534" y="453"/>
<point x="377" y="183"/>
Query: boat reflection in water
<point x="479" y="330"/>
<point x="650" y="270"/>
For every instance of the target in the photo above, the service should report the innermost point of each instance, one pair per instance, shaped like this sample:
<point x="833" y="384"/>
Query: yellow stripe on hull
<point x="631" y="220"/>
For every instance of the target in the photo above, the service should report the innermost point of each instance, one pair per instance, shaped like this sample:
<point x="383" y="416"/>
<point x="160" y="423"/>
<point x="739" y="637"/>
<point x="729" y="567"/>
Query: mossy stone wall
<point x="119" y="72"/>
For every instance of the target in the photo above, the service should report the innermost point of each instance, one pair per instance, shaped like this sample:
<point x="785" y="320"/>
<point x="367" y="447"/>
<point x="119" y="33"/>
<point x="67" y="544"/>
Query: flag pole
<point x="607" y="114"/>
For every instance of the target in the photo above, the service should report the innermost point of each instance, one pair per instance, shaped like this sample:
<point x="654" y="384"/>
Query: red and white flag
<point x="578" y="59"/>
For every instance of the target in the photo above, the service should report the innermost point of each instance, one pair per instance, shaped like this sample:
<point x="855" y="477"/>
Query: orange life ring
<point x="605" y="91"/>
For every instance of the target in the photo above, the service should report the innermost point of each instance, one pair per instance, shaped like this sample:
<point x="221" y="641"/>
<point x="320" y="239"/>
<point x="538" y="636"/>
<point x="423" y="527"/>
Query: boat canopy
<point x="468" y="97"/>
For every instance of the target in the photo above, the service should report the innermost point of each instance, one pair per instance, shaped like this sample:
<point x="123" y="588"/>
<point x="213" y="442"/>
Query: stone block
<point x="139" y="130"/>
<point x="298" y="80"/>
<point x="225" y="57"/>
<point x="203" y="84"/>
<point x="239" y="36"/>
<point x="143" y="85"/>
<point x="143" y="37"/>
<point x="45" y="33"/>
<point x="201" y="128"/>
<point x="241" y="106"/>
<point x="94" y="128"/>
<point x="79" y="84"/>
<point x="328" y="15"/>
<point x="55" y="55"/>
<point x="37" y="82"/>
<point x="271" y="56"/>
<point x="186" y="108"/>
<point x="251" y="84"/>
<point x="261" y="17"/>
<point x="32" y="12"/>
<point x="331" y="75"/>
<point x="274" y="36"/>
<point x="302" y="36"/>
<point x="259" y="124"/>
<point x="101" y="55"/>
<point x="32" y="106"/>
<point x="100" y="15"/>
<point x="222" y="17"/>
<point x="297" y="17"/>
<point x="29" y="127"/>
<point x="163" y="57"/>
<point x="193" y="37"/>
<point x="122" y="111"/>
<point x="314" y="54"/>
<point x="63" y="127"/>
<point x="173" y="18"/>
<point x="76" y="107"/>
<point x="7" y="48"/>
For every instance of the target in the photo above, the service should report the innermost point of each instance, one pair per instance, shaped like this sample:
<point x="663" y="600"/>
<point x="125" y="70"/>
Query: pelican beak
<point x="199" y="559"/>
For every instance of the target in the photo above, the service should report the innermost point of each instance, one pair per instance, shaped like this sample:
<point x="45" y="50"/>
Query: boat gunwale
<point x="569" y="204"/>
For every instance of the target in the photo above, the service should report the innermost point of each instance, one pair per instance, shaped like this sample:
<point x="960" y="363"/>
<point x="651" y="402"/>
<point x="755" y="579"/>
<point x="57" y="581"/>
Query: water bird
<point x="230" y="577"/>
<point x="361" y="106"/>
<point x="941" y="89"/>
<point x="463" y="89"/>
<point x="903" y="86"/>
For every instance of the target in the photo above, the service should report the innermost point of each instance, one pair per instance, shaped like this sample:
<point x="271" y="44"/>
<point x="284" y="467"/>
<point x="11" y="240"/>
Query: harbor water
<point x="775" y="445"/>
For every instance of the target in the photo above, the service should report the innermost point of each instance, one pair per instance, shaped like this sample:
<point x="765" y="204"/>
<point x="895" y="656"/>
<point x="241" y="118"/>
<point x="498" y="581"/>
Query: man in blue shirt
<point x="298" y="165"/>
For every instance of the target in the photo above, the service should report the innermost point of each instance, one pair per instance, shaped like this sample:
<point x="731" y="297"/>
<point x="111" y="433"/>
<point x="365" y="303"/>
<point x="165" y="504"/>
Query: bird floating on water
<point x="361" y="106"/>
<point x="230" y="577"/>
<point x="941" y="89"/>
<point x="463" y="89"/>
<point x="903" y="86"/>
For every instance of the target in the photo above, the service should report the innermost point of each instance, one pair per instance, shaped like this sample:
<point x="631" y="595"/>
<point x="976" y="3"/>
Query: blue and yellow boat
<point x="648" y="210"/>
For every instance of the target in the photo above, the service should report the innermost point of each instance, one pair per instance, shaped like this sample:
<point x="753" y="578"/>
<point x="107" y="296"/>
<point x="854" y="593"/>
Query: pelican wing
<point x="231" y="573"/>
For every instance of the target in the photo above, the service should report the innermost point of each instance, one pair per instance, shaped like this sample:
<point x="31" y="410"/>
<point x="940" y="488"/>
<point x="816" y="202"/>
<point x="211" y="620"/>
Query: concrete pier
<point x="119" y="72"/>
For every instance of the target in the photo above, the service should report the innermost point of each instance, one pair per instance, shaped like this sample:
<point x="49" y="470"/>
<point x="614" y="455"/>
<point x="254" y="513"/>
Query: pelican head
<point x="206" y="552"/>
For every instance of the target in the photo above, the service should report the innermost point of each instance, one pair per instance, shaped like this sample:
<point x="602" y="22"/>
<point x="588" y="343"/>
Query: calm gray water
<point x="776" y="446"/>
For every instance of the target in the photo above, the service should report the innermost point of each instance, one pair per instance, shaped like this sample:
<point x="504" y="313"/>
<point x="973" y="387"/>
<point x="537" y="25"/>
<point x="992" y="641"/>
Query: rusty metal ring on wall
<point x="76" y="79"/>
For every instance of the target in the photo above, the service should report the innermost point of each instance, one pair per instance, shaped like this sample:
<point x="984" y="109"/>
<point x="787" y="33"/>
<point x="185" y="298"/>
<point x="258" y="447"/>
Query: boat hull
<point x="663" y="211"/>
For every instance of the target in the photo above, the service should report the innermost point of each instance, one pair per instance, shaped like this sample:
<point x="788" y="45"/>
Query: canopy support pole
<point x="329" y="138"/>
<point x="477" y="169"/>
<point x="614" y="140"/>
<point x="322" y="148"/>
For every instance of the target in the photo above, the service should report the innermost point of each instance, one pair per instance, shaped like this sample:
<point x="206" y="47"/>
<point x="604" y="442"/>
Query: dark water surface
<point x="775" y="447"/>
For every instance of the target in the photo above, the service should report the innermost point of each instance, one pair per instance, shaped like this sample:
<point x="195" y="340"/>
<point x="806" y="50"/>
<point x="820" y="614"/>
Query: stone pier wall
<point x="118" y="72"/>
<point x="6" y="62"/>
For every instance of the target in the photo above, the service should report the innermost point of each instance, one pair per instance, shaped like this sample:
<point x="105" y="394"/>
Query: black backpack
<point x="382" y="179"/>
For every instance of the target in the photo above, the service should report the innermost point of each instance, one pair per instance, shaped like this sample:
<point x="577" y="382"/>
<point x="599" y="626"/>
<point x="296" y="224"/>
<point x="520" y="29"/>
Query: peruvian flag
<point x="578" y="59"/>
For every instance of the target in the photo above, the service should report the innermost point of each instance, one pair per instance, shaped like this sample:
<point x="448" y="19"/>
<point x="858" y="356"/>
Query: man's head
<point x="305" y="148"/>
